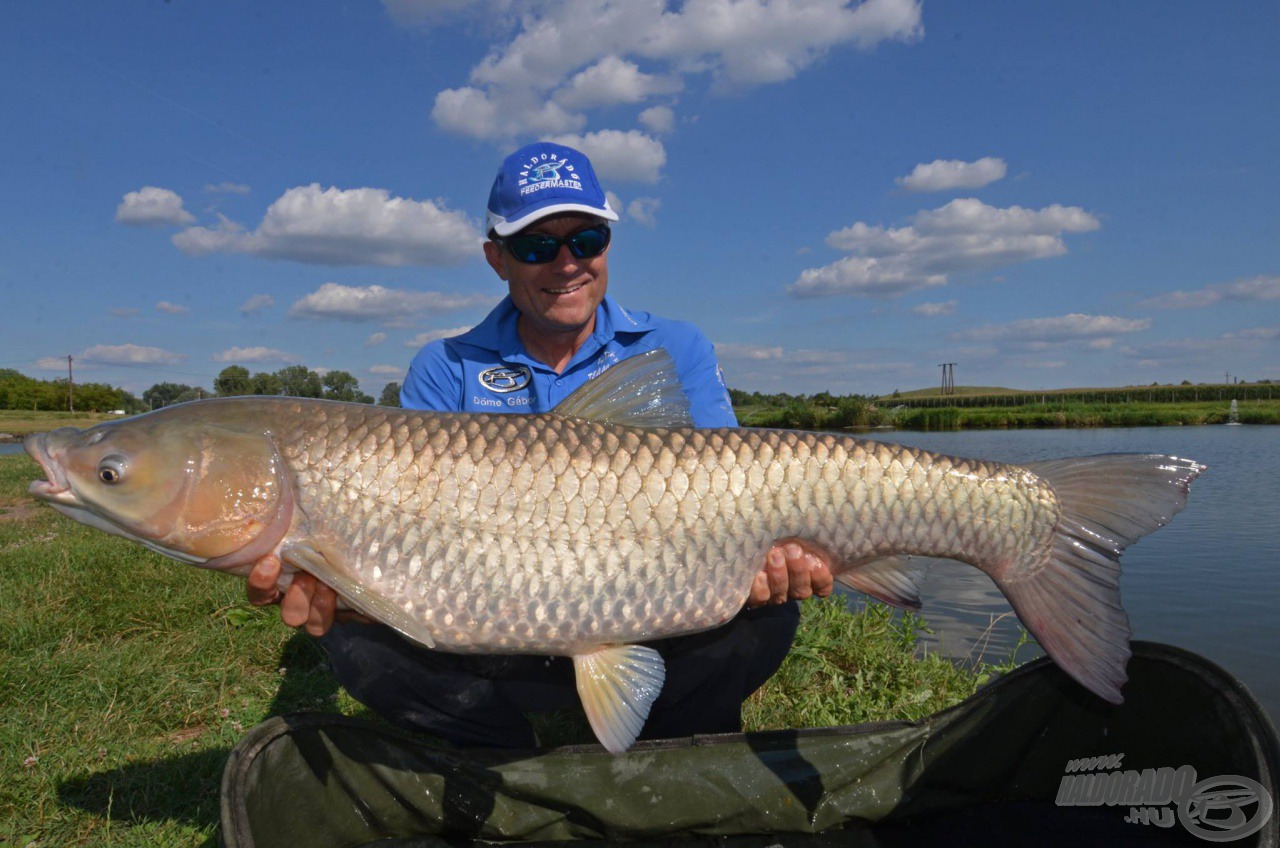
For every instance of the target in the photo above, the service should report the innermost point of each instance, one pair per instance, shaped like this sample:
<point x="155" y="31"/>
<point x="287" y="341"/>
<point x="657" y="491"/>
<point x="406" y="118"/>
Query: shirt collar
<point x="497" y="332"/>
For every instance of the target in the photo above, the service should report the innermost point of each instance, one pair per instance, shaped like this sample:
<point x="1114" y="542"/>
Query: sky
<point x="842" y="195"/>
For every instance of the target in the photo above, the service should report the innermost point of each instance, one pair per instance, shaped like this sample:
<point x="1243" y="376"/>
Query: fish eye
<point x="111" y="470"/>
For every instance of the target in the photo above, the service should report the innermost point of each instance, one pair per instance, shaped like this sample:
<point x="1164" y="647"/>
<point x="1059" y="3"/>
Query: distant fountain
<point x="1233" y="417"/>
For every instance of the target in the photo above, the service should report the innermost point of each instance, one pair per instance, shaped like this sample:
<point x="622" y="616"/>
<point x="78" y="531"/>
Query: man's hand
<point x="306" y="603"/>
<point x="791" y="571"/>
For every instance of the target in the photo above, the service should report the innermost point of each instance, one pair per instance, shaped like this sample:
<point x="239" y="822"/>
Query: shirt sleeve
<point x="703" y="383"/>
<point x="434" y="381"/>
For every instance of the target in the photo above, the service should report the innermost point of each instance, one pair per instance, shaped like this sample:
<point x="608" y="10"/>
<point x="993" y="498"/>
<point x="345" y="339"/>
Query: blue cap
<point x="540" y="180"/>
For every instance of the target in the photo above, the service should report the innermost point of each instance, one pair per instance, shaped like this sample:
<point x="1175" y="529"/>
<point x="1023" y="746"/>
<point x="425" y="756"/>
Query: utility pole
<point x="948" y="377"/>
<point x="71" y="388"/>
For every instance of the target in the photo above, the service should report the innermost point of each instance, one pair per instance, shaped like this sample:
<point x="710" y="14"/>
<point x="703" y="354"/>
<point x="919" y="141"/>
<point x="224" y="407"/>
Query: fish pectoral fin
<point x="618" y="684"/>
<point x="892" y="579"/>
<point x="337" y="576"/>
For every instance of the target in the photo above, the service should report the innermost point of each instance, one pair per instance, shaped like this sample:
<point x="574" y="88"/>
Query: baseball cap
<point x="540" y="180"/>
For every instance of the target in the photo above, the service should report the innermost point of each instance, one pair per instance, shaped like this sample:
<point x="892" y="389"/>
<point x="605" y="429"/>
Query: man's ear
<point x="493" y="255"/>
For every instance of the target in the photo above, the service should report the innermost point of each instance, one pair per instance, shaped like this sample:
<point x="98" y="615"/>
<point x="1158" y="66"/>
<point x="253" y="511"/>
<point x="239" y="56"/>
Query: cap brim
<point x="503" y="227"/>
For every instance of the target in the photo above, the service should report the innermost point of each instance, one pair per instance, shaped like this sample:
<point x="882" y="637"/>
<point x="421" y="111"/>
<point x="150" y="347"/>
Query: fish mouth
<point x="54" y="488"/>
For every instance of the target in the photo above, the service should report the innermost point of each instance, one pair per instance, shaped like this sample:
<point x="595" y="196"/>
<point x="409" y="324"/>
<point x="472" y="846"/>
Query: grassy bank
<point x="126" y="678"/>
<point x="1137" y="414"/>
<point x="19" y="423"/>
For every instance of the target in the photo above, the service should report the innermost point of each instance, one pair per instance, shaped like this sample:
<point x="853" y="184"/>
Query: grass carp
<point x="607" y="523"/>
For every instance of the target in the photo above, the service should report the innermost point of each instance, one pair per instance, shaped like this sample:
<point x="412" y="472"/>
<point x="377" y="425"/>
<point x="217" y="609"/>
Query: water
<point x="10" y="447"/>
<point x="1208" y="582"/>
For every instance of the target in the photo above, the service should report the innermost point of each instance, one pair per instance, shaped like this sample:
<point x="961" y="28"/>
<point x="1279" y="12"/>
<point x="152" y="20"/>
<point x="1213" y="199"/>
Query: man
<point x="548" y="226"/>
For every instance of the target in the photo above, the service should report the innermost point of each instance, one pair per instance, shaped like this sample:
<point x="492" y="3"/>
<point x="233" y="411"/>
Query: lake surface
<point x="10" y="447"/>
<point x="1208" y="582"/>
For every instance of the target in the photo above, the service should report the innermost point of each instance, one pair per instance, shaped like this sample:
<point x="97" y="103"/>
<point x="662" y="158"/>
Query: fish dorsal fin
<point x="642" y="391"/>
<point x="618" y="684"/>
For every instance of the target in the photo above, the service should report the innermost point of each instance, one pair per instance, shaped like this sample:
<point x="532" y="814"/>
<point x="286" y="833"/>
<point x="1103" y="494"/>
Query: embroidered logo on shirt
<point x="503" y="378"/>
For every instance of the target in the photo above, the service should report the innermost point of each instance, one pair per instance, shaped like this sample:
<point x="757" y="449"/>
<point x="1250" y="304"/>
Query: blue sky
<point x="841" y="195"/>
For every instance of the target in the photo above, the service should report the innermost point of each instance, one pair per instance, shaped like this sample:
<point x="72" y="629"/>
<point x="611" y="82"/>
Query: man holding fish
<point x="548" y="240"/>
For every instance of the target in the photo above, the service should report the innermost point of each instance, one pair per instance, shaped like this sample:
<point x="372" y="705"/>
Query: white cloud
<point x="152" y="206"/>
<point x="947" y="174"/>
<point x="431" y="335"/>
<point x="612" y="81"/>
<point x="1252" y="289"/>
<point x="254" y="354"/>
<point x="658" y="119"/>
<point x="644" y="210"/>
<point x="628" y="156"/>
<point x="132" y="354"/>
<point x="226" y="188"/>
<point x="775" y="368"/>
<point x="931" y="310"/>
<point x="361" y="226"/>
<point x="171" y="308"/>
<point x="257" y="302"/>
<point x="1060" y="329"/>
<point x="964" y="235"/>
<point x="376" y="303"/>
<point x="375" y="339"/>
<point x="387" y="370"/>
<point x="733" y="350"/>
<point x="588" y="53"/>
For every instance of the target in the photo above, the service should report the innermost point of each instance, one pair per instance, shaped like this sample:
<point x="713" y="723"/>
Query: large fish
<point x="610" y="522"/>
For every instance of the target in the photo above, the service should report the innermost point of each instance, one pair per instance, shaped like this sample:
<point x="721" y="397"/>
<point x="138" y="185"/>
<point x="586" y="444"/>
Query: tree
<point x="300" y="381"/>
<point x="390" y="395"/>
<point x="342" y="385"/>
<point x="263" y="383"/>
<point x="163" y="394"/>
<point x="233" y="380"/>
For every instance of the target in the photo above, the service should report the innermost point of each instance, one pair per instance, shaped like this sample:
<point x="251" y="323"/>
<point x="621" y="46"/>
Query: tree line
<point x="18" y="391"/>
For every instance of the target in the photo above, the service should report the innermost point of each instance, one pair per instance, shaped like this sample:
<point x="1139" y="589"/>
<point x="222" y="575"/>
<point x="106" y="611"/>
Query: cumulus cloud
<point x="375" y="339"/>
<point x="568" y="55"/>
<point x="775" y="368"/>
<point x="1056" y="330"/>
<point x="431" y="335"/>
<point x="257" y="303"/>
<point x="254" y="354"/>
<point x="1252" y="289"/>
<point x="644" y="210"/>
<point x="964" y="235"/>
<point x="376" y="303"/>
<point x="361" y="226"/>
<point x="131" y="354"/>
<point x="948" y="174"/>
<point x="932" y="310"/>
<point x="658" y="119"/>
<point x="226" y="188"/>
<point x="171" y="308"/>
<point x="152" y="206"/>
<point x="629" y="156"/>
<point x="611" y="81"/>
<point x="387" y="370"/>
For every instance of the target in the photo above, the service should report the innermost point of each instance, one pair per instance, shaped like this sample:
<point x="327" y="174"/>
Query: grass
<point x="18" y="422"/>
<point x="126" y="678"/>
<point x="1059" y="414"/>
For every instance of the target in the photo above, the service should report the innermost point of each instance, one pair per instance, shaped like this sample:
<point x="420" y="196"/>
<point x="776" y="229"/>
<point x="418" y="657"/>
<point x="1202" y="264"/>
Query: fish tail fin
<point x="1072" y="603"/>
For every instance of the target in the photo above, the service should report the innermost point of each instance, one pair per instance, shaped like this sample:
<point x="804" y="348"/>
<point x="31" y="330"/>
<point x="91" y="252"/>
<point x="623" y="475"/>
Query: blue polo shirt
<point x="487" y="369"/>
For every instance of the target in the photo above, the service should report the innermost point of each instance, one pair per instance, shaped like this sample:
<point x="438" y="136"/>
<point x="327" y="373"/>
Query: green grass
<point x="1059" y="414"/>
<point x="18" y="422"/>
<point x="126" y="678"/>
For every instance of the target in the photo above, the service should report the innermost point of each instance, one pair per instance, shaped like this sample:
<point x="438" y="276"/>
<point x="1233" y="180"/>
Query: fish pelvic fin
<point x="891" y="579"/>
<point x="1072" y="603"/>
<point x="337" y="576"/>
<point x="641" y="391"/>
<point x="618" y="684"/>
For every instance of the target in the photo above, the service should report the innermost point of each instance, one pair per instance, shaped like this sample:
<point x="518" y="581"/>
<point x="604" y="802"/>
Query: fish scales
<point x="661" y="534"/>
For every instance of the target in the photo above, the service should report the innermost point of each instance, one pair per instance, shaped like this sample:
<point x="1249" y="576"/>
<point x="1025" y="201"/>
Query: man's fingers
<point x="323" y="604"/>
<point x="776" y="570"/>
<point x="262" y="581"/>
<point x="821" y="580"/>
<point x="798" y="571"/>
<point x="759" y="595"/>
<point x="295" y="609"/>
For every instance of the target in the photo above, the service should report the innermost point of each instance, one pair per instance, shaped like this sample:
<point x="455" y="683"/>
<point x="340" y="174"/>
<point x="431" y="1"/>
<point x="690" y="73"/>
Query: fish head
<point x="194" y="490"/>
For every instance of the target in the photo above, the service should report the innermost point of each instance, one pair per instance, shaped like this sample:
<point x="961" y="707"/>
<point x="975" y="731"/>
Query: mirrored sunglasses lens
<point x="589" y="243"/>
<point x="534" y="249"/>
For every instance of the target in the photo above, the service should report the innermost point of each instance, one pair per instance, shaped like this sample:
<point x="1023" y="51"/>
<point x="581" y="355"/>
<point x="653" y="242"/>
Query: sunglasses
<point x="540" y="248"/>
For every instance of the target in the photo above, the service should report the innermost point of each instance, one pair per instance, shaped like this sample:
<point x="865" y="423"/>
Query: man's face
<point x="562" y="295"/>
